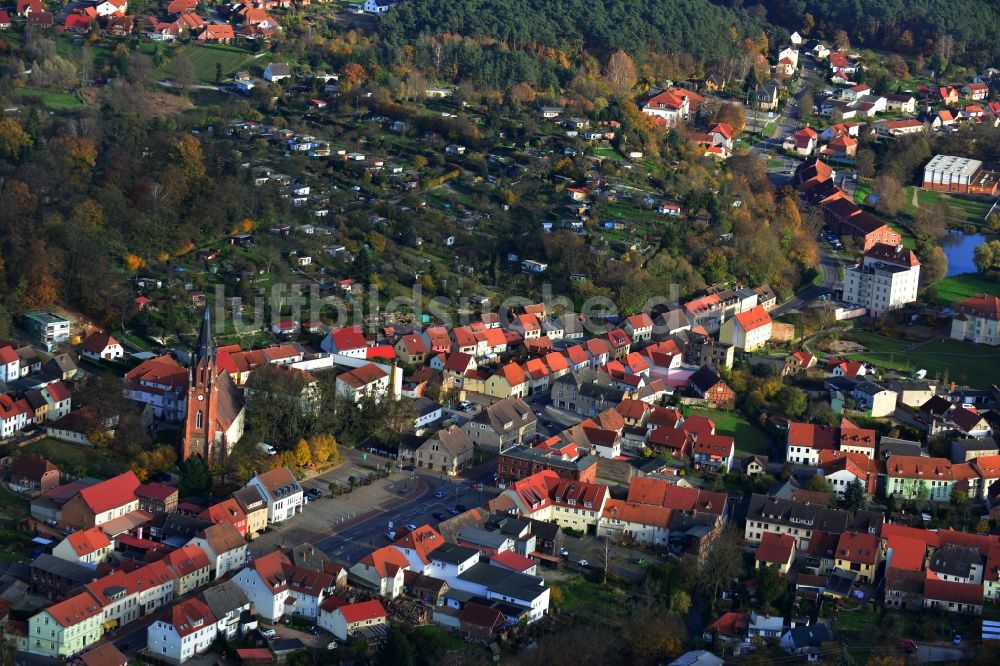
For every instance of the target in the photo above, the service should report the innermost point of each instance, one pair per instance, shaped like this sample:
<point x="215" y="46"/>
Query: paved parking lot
<point x="623" y="559"/>
<point x="348" y="526"/>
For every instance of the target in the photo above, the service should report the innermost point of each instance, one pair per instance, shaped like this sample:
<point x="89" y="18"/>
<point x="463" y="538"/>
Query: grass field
<point x="748" y="439"/>
<point x="205" y="57"/>
<point x="588" y="601"/>
<point x="964" y="362"/>
<point x="962" y="209"/>
<point x="51" y="99"/>
<point x="78" y="460"/>
<point x="959" y="287"/>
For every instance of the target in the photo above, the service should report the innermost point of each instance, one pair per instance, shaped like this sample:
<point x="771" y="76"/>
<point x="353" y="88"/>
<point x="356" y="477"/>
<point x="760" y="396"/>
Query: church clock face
<point x="201" y="396"/>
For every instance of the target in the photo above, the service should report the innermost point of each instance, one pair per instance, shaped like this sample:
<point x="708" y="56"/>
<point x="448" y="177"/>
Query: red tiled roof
<point x="513" y="561"/>
<point x="513" y="373"/>
<point x="633" y="512"/>
<point x="775" y="548"/>
<point x="111" y="493"/>
<point x="423" y="540"/>
<point x="158" y="491"/>
<point x="87" y="541"/>
<point x="812" y="435"/>
<point x="981" y="305"/>
<point x="74" y="610"/>
<point x="386" y="561"/>
<point x="361" y="612"/>
<point x="187" y="560"/>
<point x="58" y="391"/>
<point x="189" y="616"/>
<point x="858" y="547"/>
<point x="731" y="625"/>
<point x="105" y="654"/>
<point x="944" y="590"/>
<point x="97" y="342"/>
<point x="348" y="338"/>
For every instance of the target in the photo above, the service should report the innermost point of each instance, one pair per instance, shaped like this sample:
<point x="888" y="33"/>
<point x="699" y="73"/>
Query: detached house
<point x="277" y="587"/>
<point x="101" y="346"/>
<point x="448" y="451"/>
<point x="382" y="570"/>
<point x="34" y="473"/>
<point x="224" y="547"/>
<point x="502" y="425"/>
<point x="977" y="320"/>
<point x="748" y="330"/>
<point x="185" y="631"/>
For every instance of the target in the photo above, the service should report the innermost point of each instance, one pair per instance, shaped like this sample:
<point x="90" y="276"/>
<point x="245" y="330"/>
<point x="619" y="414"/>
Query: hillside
<point x="974" y="25"/>
<point x="691" y="26"/>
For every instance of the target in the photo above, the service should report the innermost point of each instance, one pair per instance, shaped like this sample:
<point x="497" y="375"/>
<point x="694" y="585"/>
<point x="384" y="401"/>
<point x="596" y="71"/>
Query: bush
<point x="578" y="534"/>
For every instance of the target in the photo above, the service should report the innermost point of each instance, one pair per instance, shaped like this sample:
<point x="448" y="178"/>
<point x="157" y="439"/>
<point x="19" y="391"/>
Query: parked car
<point x="438" y="516"/>
<point x="410" y="528"/>
<point x="314" y="493"/>
<point x="268" y="633"/>
<point x="563" y="552"/>
<point x="583" y="563"/>
<point x="440" y="494"/>
<point x="454" y="511"/>
<point x="408" y="468"/>
<point x="461" y="507"/>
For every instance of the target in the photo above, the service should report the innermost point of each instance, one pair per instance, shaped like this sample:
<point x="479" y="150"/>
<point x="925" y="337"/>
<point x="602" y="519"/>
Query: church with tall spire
<point x="214" y="409"/>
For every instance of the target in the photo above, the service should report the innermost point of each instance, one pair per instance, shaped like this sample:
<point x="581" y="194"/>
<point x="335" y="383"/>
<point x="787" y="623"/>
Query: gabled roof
<point x="88" y="541"/>
<point x="858" y="547"/>
<point x="775" y="548"/>
<point x="189" y="616"/>
<point x="74" y="610"/>
<point x="97" y="342"/>
<point x="187" y="560"/>
<point x="943" y="590"/>
<point x="386" y="561"/>
<point x="754" y="318"/>
<point x="421" y="541"/>
<point x="363" y="611"/>
<point x="111" y="493"/>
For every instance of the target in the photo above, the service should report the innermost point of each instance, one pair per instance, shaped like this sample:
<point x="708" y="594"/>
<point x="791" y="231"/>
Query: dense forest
<point x="971" y="28"/>
<point x="532" y="40"/>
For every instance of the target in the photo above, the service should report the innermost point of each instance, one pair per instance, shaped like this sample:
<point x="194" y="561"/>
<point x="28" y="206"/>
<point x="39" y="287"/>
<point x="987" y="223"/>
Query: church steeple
<point x="205" y="349"/>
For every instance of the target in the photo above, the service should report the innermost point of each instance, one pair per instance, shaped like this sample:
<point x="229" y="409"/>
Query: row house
<point x="798" y="519"/>
<point x="281" y="493"/>
<point x="66" y="628"/>
<point x="807" y="441"/>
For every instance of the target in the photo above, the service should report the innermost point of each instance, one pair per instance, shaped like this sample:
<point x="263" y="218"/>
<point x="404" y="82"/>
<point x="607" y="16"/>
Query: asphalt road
<point x="828" y="264"/>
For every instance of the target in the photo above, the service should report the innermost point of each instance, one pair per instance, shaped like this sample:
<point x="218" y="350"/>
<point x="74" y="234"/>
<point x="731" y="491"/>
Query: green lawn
<point x="861" y="193"/>
<point x="749" y="440"/>
<point x="963" y="209"/>
<point x="959" y="287"/>
<point x="589" y="601"/>
<point x="965" y="363"/>
<point x="78" y="460"/>
<point x="50" y="98"/>
<point x="205" y="56"/>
